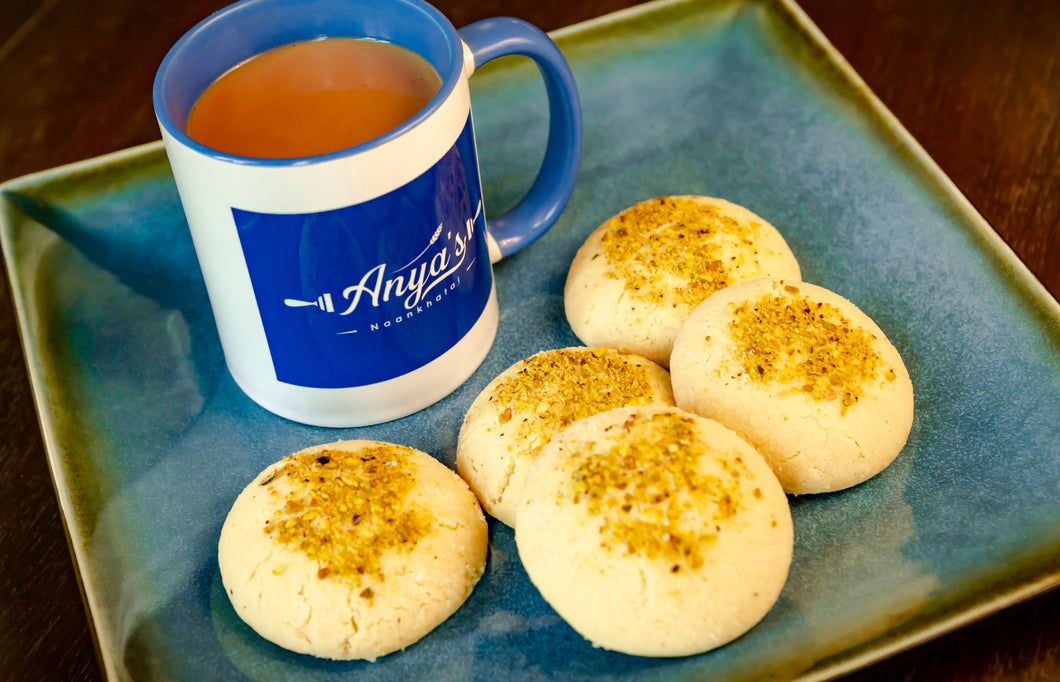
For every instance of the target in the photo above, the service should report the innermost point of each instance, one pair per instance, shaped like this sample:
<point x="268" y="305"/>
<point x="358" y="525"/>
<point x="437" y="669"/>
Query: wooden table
<point x="977" y="82"/>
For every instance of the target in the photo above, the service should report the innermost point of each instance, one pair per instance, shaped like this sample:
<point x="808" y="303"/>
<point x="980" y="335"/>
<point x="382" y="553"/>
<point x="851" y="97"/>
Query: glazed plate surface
<point x="149" y="440"/>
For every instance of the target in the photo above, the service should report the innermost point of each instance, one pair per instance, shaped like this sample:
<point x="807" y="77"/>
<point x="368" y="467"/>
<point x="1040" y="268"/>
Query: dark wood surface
<point x="976" y="82"/>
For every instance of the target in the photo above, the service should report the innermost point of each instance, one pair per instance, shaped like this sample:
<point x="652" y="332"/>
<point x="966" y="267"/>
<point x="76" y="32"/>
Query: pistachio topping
<point x="344" y="510"/>
<point x="581" y="382"/>
<point x="651" y="490"/>
<point x="656" y="244"/>
<point x="812" y="347"/>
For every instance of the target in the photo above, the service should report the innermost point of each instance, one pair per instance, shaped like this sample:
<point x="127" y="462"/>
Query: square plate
<point x="149" y="440"/>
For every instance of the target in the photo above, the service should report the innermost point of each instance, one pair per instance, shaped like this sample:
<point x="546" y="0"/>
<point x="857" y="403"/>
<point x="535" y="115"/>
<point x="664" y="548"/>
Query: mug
<point x="356" y="287"/>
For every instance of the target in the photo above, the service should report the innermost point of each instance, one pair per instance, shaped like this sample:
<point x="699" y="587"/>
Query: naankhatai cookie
<point x="803" y="374"/>
<point x="528" y="403"/>
<point x="352" y="550"/>
<point x="639" y="275"/>
<point x="655" y="532"/>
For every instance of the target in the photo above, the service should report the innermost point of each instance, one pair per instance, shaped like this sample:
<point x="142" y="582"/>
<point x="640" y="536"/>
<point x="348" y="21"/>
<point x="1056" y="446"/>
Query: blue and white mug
<point x="356" y="287"/>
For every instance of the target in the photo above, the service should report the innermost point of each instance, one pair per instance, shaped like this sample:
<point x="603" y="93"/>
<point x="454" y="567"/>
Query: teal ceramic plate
<point x="149" y="440"/>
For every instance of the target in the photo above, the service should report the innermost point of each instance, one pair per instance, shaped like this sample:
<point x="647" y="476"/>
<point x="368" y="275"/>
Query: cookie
<point x="522" y="408"/>
<point x="640" y="274"/>
<point x="654" y="532"/>
<point x="803" y="374"/>
<point x="352" y="550"/>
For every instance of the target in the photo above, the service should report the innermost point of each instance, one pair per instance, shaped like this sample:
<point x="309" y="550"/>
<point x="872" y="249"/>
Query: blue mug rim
<point x="218" y="21"/>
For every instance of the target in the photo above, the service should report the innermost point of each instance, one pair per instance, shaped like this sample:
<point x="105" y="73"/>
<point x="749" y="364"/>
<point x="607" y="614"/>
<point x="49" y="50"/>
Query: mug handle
<point x="536" y="212"/>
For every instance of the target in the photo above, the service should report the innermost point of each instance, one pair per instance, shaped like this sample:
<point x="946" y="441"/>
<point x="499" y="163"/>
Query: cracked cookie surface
<point x="351" y="550"/>
<point x="655" y="532"/>
<point x="801" y="373"/>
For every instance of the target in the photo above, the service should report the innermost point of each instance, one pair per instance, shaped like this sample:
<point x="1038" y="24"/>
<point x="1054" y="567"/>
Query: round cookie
<point x="523" y="407"/>
<point x="351" y="550"/>
<point x="803" y="374"/>
<point x="655" y="532"/>
<point x="639" y="275"/>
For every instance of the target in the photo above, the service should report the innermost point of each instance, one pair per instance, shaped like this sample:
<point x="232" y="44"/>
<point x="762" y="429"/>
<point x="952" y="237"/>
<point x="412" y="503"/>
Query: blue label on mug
<point x="370" y="292"/>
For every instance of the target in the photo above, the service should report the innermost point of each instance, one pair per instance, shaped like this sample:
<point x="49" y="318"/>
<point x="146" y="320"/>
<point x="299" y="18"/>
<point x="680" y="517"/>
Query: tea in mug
<point x="312" y="97"/>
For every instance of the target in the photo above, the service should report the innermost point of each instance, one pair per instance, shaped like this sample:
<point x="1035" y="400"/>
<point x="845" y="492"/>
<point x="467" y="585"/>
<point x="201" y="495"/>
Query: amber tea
<point x="312" y="97"/>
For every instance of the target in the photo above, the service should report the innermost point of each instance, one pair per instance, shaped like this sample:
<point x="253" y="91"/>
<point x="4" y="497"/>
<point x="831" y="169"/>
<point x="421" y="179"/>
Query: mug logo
<point x="362" y="294"/>
<point x="431" y="268"/>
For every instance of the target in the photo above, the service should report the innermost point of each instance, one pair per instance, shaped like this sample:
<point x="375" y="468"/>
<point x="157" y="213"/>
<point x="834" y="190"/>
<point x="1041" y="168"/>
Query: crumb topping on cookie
<point x="580" y="382"/>
<point x="655" y="242"/>
<point x="650" y="488"/>
<point x="787" y="338"/>
<point x="344" y="510"/>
